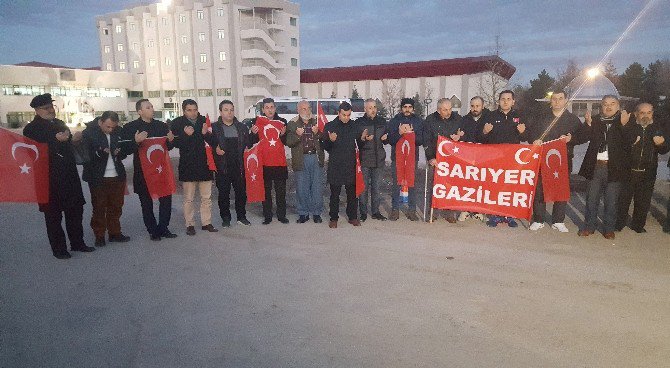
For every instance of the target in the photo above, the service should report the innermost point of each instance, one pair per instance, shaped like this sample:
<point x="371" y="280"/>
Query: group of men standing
<point x="620" y="163"/>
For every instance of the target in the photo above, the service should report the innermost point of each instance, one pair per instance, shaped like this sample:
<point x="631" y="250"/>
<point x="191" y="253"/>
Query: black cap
<point x="41" y="100"/>
<point x="406" y="101"/>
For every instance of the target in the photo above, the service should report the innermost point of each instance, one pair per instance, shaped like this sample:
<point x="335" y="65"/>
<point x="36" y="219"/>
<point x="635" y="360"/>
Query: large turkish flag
<point x="321" y="119"/>
<point x="554" y="171"/>
<point x="24" y="169"/>
<point x="360" y="181"/>
<point x="270" y="146"/>
<point x="208" y="149"/>
<point x="156" y="167"/>
<point x="254" y="174"/>
<point x="404" y="159"/>
<point x="497" y="179"/>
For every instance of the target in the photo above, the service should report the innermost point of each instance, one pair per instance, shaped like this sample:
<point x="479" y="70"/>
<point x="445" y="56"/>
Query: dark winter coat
<point x="192" y="156"/>
<point x="567" y="123"/>
<point x="372" y="152"/>
<point x="393" y="129"/>
<point x="436" y="126"/>
<point x="472" y="128"/>
<point x="342" y="152"/>
<point x="618" y="148"/>
<point x="644" y="154"/>
<point x="96" y="143"/>
<point x="504" y="128"/>
<point x="218" y="137"/>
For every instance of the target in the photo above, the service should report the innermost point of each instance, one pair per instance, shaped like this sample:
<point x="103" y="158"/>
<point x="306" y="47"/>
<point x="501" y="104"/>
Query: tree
<point x="332" y="95"/>
<point x="540" y="86"/>
<point x="418" y="106"/>
<point x="381" y="109"/>
<point x="354" y="93"/>
<point x="491" y="83"/>
<point x="630" y="82"/>
<point x="565" y="76"/>
<point x="609" y="71"/>
<point x="391" y="95"/>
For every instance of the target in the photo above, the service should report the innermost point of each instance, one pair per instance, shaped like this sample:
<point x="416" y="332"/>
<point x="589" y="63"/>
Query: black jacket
<point x="504" y="128"/>
<point x="342" y="152"/>
<point x="644" y="154"/>
<point x="567" y="123"/>
<point x="192" y="156"/>
<point x="472" y="128"/>
<point x="155" y="128"/>
<point x="393" y="129"/>
<point x="436" y="126"/>
<point x="96" y="142"/>
<point x="64" y="184"/>
<point x="218" y="137"/>
<point x="618" y="148"/>
<point x="372" y="152"/>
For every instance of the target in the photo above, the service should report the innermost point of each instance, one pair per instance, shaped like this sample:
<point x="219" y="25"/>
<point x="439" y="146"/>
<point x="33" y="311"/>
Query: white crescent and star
<point x="440" y="146"/>
<point x="553" y="152"/>
<point x="152" y="148"/>
<point x="265" y="129"/>
<point x="25" y="169"/>
<point x="402" y="148"/>
<point x="255" y="158"/>
<point x="517" y="156"/>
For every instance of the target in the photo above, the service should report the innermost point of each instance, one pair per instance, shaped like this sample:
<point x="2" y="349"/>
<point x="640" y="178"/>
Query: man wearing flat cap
<point x="66" y="198"/>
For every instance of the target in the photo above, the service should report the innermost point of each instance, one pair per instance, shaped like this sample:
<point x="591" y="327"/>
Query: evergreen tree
<point x="630" y="82"/>
<point x="354" y="93"/>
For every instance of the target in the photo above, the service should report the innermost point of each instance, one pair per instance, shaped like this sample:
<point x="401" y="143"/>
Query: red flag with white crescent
<point x="208" y="149"/>
<point x="156" y="167"/>
<point x="360" y="182"/>
<point x="554" y="171"/>
<point x="270" y="145"/>
<point x="253" y="169"/>
<point x="404" y="159"/>
<point x="321" y="119"/>
<point x="24" y="169"/>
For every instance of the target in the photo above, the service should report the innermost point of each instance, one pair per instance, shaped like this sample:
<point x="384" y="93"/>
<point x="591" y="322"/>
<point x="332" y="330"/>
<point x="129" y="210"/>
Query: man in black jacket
<point x="194" y="173"/>
<point x="472" y="124"/>
<point x="137" y="131"/>
<point x="638" y="185"/>
<point x="606" y="163"/>
<point x="230" y="138"/>
<point x="373" y="159"/>
<point x="106" y="177"/>
<point x="65" y="194"/>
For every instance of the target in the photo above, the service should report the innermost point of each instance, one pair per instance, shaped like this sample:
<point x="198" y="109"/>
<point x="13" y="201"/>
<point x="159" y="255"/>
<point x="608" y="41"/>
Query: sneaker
<point x="364" y="216"/>
<point x="512" y="223"/>
<point x="119" y="238"/>
<point x="332" y="224"/>
<point x="169" y="235"/>
<point x="243" y="221"/>
<point x="317" y="219"/>
<point x="83" y="248"/>
<point x="63" y="254"/>
<point x="560" y="227"/>
<point x="155" y="237"/>
<point x="99" y="242"/>
<point x="395" y="215"/>
<point x="535" y="226"/>
<point x="283" y="220"/>
<point x="355" y="222"/>
<point x="303" y="218"/>
<point x="210" y="228"/>
<point x="225" y="223"/>
<point x="267" y="221"/>
<point x="190" y="230"/>
<point x="479" y="217"/>
<point x="463" y="216"/>
<point x="378" y="216"/>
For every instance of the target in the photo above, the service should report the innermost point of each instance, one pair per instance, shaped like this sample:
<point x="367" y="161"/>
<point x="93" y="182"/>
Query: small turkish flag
<point x="360" y="182"/>
<point x="208" y="149"/>
<point x="321" y="119"/>
<point x="404" y="159"/>
<point x="156" y="167"/>
<point x="24" y="169"/>
<point x="253" y="168"/>
<point x="271" y="147"/>
<point x="554" y="171"/>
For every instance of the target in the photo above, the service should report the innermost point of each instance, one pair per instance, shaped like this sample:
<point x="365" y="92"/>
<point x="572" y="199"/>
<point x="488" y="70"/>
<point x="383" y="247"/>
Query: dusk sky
<point x="535" y="35"/>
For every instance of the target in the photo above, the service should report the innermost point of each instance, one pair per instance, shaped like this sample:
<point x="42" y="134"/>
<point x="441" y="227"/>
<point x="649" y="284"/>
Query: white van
<point x="287" y="107"/>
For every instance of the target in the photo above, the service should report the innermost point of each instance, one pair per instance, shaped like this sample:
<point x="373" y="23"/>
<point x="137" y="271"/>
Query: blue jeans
<point x="309" y="187"/>
<point x="597" y="187"/>
<point x="372" y="178"/>
<point x="395" y="192"/>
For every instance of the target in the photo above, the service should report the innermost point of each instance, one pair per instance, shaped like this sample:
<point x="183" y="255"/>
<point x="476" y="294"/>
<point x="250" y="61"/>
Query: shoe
<point x="639" y="230"/>
<point x="378" y="216"/>
<point x="666" y="230"/>
<point x="243" y="221"/>
<point x="169" y="235"/>
<point x="492" y="222"/>
<point x="560" y="227"/>
<point x="190" y="230"/>
<point x="210" y="228"/>
<point x="155" y="237"/>
<point x="609" y="235"/>
<point x="463" y="216"/>
<point x="119" y="238"/>
<point x="395" y="215"/>
<point x="63" y="254"/>
<point x="411" y="215"/>
<point x="450" y="219"/>
<point x="355" y="222"/>
<point x="332" y="224"/>
<point x="99" y="242"/>
<point x="512" y="223"/>
<point x="283" y="220"/>
<point x="225" y="223"/>
<point x="303" y="218"/>
<point x="479" y="217"/>
<point x="364" y="216"/>
<point x="535" y="226"/>
<point x="585" y="232"/>
<point x="317" y="219"/>
<point x="618" y="227"/>
<point x="83" y="248"/>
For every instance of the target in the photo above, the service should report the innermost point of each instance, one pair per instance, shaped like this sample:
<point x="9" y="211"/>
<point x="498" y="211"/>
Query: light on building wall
<point x="593" y="72"/>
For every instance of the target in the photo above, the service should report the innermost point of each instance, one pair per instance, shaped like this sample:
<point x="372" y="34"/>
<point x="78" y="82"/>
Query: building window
<point x="224" y="92"/>
<point x="136" y="64"/>
<point x="136" y="46"/>
<point x="118" y="29"/>
<point x="105" y="31"/>
<point x="294" y="62"/>
<point x="294" y="42"/>
<point x="166" y="41"/>
<point x="201" y="14"/>
<point x="222" y="56"/>
<point x="164" y="21"/>
<point x="182" y="18"/>
<point x="221" y="34"/>
<point x="151" y="43"/>
<point x="203" y="58"/>
<point x="204" y="92"/>
<point x="154" y="94"/>
<point x="109" y="66"/>
<point x="201" y="36"/>
<point x="186" y="93"/>
<point x="122" y="65"/>
<point x="152" y="62"/>
<point x="107" y="48"/>
<point x="119" y="46"/>
<point x="293" y="21"/>
<point x="219" y="12"/>
<point x="184" y="59"/>
<point x="170" y="93"/>
<point x="149" y="23"/>
<point x="135" y="94"/>
<point x="184" y="39"/>
<point x="168" y="61"/>
<point x="132" y="26"/>
<point x="579" y="109"/>
<point x="294" y="93"/>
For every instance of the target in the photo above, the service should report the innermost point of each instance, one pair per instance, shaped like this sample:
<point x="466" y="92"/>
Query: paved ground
<point x="383" y="295"/>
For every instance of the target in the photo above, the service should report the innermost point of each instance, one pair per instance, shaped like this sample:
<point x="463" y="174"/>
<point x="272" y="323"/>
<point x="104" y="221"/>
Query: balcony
<point x="259" y="70"/>
<point x="256" y="91"/>
<point x="251" y="54"/>
<point x="253" y="34"/>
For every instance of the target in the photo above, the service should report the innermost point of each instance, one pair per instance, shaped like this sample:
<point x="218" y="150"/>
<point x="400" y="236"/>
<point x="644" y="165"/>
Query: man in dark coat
<point x="137" y="131"/>
<point x="65" y="194"/>
<point x="106" y="177"/>
<point x="230" y="138"/>
<point x="194" y="173"/>
<point x="638" y="186"/>
<point x="606" y="163"/>
<point x="340" y="140"/>
<point x="373" y="159"/>
<point x="472" y="124"/>
<point x="276" y="175"/>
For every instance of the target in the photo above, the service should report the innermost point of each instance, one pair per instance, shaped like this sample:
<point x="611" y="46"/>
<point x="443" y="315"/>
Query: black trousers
<point x="73" y="225"/>
<point x="280" y="195"/>
<point x="639" y="189"/>
<point x="540" y="206"/>
<point x="164" y="213"/>
<point x="224" y="181"/>
<point x="352" y="201"/>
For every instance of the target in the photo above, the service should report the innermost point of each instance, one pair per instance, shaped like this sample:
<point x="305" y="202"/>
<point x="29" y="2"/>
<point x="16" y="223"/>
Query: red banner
<point x="497" y="179"/>
<point x="24" y="169"/>
<point x="208" y="149"/>
<point x="554" y="171"/>
<point x="156" y="167"/>
<point x="404" y="159"/>
<point x="253" y="164"/>
<point x="271" y="147"/>
<point x="321" y="119"/>
<point x="360" y="182"/>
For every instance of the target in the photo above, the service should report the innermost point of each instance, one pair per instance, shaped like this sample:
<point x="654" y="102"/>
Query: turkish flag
<point x="497" y="179"/>
<point x="360" y="182"/>
<point x="271" y="147"/>
<point x="404" y="159"/>
<point x="156" y="167"/>
<point x="208" y="149"/>
<point x="321" y="119"/>
<point x="554" y="171"/>
<point x="24" y="169"/>
<point x="253" y="164"/>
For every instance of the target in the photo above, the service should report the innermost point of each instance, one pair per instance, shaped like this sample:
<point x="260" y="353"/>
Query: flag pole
<point x="425" y="195"/>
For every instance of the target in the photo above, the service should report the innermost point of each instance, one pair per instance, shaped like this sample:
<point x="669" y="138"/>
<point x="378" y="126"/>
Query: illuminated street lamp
<point x="593" y="72"/>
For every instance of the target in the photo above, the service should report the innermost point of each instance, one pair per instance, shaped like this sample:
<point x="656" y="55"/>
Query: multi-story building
<point x="207" y="50"/>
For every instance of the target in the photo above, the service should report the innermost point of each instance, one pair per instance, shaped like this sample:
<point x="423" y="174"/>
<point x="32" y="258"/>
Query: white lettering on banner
<point x="479" y="195"/>
<point x="523" y="177"/>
